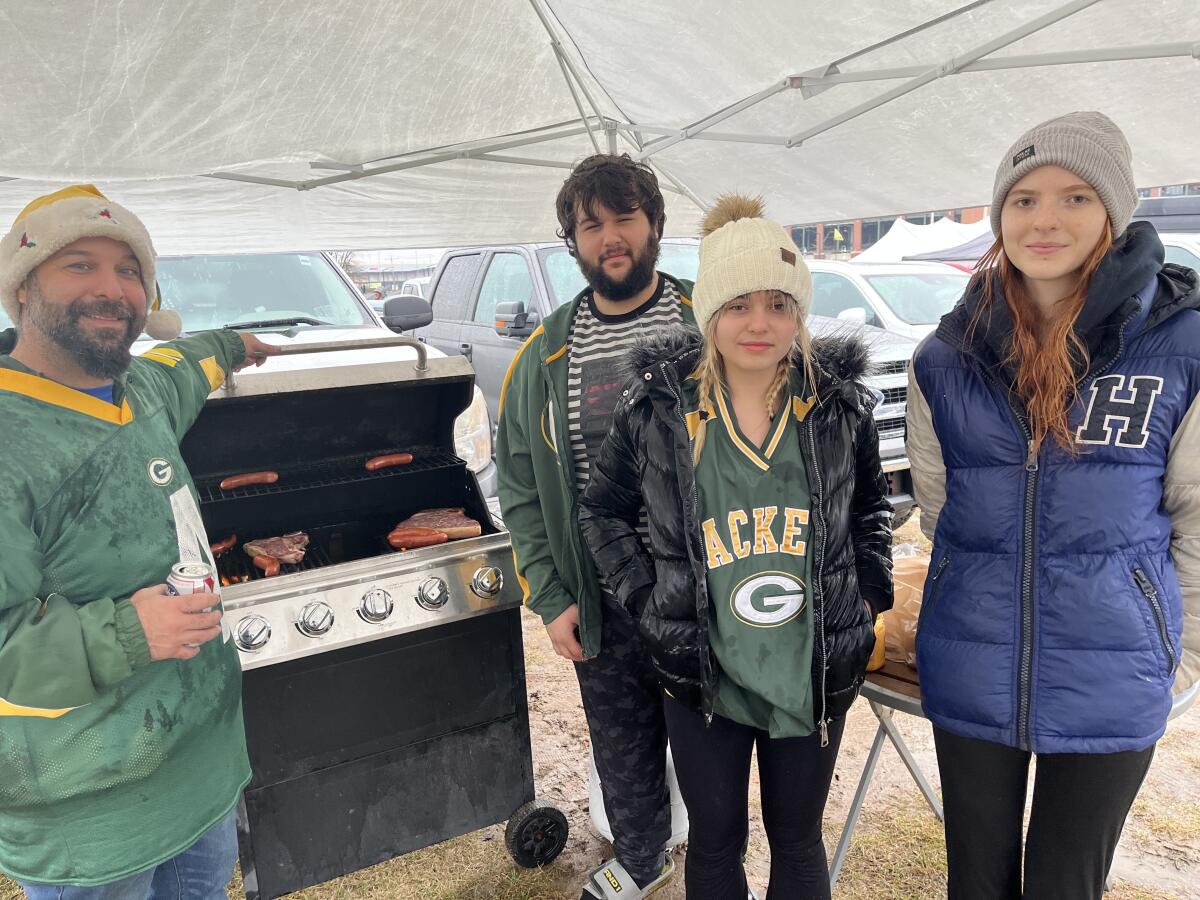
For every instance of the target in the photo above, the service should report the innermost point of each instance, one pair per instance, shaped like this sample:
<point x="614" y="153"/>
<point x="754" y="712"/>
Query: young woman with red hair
<point x="1054" y="435"/>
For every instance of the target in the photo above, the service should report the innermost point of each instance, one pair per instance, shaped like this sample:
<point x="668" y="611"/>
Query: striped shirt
<point x="598" y="342"/>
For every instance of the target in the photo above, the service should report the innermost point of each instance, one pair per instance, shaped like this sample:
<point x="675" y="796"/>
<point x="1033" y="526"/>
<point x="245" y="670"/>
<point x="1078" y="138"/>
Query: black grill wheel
<point x="536" y="834"/>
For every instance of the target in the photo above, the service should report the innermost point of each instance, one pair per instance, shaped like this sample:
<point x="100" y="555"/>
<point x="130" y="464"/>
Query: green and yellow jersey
<point x="754" y="509"/>
<point x="109" y="762"/>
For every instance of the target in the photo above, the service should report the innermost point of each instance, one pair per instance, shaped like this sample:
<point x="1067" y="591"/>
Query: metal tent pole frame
<point x="809" y="84"/>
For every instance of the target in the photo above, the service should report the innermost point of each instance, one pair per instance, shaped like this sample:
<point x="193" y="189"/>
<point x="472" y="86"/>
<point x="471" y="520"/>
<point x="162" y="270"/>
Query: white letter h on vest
<point x="1117" y="414"/>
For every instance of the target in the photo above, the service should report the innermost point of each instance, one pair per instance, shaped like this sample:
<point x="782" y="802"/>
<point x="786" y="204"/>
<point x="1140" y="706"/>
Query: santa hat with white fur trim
<point x="50" y="223"/>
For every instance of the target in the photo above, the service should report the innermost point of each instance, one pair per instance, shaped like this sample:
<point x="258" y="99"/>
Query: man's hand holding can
<point x="175" y="624"/>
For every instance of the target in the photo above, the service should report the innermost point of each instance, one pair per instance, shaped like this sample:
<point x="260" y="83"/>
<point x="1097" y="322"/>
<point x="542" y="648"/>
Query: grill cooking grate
<point x="329" y="473"/>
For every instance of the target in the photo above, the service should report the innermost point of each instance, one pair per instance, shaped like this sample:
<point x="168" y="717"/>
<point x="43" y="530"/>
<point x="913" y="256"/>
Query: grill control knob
<point x="432" y="593"/>
<point x="252" y="633"/>
<point x="316" y="618"/>
<point x="376" y="606"/>
<point x="487" y="581"/>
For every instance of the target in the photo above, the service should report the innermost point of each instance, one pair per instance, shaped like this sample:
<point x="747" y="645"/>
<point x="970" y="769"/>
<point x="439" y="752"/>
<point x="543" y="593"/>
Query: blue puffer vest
<point x="1052" y="614"/>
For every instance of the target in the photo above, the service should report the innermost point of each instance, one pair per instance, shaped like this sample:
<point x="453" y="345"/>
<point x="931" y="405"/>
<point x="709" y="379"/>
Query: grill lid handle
<point x="363" y="344"/>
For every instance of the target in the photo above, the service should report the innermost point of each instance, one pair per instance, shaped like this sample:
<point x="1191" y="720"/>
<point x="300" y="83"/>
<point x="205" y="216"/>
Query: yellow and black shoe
<point x="611" y="881"/>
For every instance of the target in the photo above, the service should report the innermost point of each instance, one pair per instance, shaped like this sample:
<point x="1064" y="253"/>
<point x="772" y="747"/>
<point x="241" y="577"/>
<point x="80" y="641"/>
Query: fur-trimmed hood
<point x="841" y="359"/>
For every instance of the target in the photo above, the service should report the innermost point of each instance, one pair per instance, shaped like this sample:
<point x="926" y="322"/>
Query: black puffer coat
<point x="647" y="458"/>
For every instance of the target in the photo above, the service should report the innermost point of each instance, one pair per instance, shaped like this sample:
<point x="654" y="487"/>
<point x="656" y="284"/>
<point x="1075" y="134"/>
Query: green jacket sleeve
<point x="518" y="490"/>
<point x="186" y="371"/>
<point x="55" y="655"/>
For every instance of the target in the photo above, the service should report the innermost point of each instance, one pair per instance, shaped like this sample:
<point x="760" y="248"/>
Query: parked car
<point x="1182" y="248"/>
<point x="487" y="300"/>
<point x="378" y="303"/>
<point x="415" y="287"/>
<point x="906" y="298"/>
<point x="304" y="298"/>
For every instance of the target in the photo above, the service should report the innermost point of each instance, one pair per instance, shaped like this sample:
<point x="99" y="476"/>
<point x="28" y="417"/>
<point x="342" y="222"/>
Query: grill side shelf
<point x="328" y="473"/>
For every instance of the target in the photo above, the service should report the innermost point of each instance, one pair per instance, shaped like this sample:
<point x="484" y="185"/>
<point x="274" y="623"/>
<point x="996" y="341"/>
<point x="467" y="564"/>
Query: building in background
<point x="388" y="279"/>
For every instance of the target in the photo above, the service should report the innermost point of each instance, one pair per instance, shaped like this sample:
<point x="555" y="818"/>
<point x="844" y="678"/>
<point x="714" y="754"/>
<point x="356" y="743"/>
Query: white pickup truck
<point x="302" y="298"/>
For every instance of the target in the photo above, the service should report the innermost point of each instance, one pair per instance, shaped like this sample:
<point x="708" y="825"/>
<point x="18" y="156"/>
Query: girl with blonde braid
<point x="753" y="450"/>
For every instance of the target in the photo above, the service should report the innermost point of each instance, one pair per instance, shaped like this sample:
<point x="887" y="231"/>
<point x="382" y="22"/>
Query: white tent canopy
<point x="907" y="239"/>
<point x="375" y="123"/>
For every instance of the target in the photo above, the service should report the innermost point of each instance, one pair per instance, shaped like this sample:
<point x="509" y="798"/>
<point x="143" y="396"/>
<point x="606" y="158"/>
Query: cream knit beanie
<point x="742" y="252"/>
<point x="50" y="223"/>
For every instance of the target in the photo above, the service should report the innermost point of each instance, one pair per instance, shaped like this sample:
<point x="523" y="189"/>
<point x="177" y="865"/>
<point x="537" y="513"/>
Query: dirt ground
<point x="896" y="854"/>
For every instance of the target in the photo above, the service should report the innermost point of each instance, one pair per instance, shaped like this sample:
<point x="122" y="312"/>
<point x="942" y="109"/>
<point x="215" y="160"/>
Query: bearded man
<point x="555" y="409"/>
<point x="121" y="738"/>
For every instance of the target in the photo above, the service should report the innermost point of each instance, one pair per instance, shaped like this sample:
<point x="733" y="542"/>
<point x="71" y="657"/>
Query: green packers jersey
<point x="754" y="510"/>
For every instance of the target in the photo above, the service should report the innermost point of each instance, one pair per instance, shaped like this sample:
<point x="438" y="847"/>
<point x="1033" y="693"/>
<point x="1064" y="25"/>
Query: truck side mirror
<point x="513" y="321"/>
<point x="406" y="313"/>
<point x="855" y="314"/>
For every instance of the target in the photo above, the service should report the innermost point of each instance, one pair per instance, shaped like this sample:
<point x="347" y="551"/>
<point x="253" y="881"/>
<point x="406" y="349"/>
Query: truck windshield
<point x="213" y="291"/>
<point x="566" y="281"/>
<point x="920" y="299"/>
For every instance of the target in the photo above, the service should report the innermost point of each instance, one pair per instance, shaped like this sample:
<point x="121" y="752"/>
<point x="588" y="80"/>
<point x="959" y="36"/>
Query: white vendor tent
<point x="281" y="124"/>
<point x="904" y="239"/>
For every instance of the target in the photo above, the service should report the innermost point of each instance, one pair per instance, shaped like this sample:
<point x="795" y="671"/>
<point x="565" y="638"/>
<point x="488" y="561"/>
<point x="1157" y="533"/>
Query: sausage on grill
<point x="221" y="546"/>
<point x="268" y="564"/>
<point x="237" y="481"/>
<point x="412" y="538"/>
<point x="375" y="463"/>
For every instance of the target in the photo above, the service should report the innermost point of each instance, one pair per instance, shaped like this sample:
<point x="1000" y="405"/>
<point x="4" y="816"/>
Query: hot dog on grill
<point x="237" y="481"/>
<point x="221" y="546"/>
<point x="376" y="463"/>
<point x="412" y="538"/>
<point x="268" y="564"/>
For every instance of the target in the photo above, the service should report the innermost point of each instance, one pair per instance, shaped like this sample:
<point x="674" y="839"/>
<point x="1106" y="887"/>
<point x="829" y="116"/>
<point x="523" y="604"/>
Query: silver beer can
<point x="192" y="578"/>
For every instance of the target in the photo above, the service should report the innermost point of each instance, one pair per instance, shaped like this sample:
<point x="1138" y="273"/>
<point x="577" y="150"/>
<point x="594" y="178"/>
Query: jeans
<point x="200" y="872"/>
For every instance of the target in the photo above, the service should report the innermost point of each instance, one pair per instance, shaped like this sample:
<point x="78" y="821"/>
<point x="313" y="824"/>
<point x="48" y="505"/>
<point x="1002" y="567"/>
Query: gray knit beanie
<point x="1086" y="143"/>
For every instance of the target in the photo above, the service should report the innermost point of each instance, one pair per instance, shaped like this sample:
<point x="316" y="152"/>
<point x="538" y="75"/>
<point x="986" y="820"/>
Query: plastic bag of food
<point x="900" y="622"/>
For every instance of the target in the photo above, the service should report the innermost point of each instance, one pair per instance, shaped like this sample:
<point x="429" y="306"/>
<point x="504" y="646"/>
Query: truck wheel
<point x="900" y="518"/>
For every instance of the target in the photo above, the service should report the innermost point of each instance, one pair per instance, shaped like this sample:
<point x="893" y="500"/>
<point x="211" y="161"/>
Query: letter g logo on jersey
<point x="160" y="471"/>
<point x="768" y="599"/>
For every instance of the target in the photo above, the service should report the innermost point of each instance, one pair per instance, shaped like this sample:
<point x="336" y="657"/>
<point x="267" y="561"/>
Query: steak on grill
<point x="450" y="520"/>
<point x="288" y="548"/>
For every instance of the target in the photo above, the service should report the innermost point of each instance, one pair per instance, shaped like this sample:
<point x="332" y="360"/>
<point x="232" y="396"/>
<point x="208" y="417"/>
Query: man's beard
<point x="103" y="354"/>
<point x="639" y="277"/>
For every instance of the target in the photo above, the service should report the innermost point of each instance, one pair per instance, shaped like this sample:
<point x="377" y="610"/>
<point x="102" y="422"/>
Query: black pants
<point x="623" y="703"/>
<point x="713" y="767"/>
<point x="1080" y="801"/>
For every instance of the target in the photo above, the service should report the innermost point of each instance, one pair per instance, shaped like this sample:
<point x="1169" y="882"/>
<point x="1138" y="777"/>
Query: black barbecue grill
<point x="383" y="691"/>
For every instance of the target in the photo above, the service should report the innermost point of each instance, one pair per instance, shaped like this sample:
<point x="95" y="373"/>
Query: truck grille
<point x="898" y="367"/>
<point x="894" y="395"/>
<point x="890" y="428"/>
